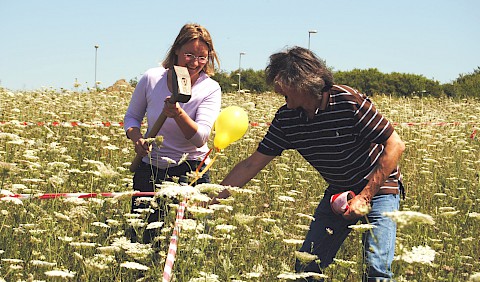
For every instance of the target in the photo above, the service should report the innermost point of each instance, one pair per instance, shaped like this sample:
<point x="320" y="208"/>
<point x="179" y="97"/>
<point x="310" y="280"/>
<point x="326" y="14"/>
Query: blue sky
<point x="52" y="43"/>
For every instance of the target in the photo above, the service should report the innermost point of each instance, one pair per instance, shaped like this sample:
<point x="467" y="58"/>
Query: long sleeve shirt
<point x="203" y="107"/>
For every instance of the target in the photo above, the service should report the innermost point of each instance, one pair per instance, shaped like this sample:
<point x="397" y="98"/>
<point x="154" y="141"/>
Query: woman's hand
<point x="171" y="110"/>
<point x="142" y="147"/>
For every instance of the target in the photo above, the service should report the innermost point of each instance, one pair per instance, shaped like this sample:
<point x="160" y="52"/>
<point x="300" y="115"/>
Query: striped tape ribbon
<point x="172" y="249"/>
<point x="76" y="195"/>
<point x="253" y="123"/>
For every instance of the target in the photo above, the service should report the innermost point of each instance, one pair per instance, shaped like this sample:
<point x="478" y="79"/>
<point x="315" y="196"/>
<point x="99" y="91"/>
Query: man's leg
<point x="379" y="247"/>
<point x="326" y="235"/>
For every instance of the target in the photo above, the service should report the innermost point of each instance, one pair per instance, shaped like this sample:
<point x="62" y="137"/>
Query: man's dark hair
<point x="301" y="69"/>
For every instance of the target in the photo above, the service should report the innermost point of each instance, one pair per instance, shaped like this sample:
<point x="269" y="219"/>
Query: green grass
<point x="87" y="151"/>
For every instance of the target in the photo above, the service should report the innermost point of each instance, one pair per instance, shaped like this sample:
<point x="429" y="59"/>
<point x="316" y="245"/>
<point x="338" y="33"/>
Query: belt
<point x="386" y="191"/>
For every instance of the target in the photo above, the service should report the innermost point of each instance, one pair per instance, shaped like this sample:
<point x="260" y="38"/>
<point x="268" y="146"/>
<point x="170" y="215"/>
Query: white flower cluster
<point x="404" y="218"/>
<point x="301" y="275"/>
<point x="134" y="265"/>
<point x="419" y="254"/>
<point x="135" y="250"/>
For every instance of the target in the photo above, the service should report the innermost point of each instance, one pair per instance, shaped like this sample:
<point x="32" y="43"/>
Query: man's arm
<point x="387" y="162"/>
<point x="244" y="171"/>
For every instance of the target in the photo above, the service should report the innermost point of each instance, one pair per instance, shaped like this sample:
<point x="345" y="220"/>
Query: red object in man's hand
<point x="339" y="202"/>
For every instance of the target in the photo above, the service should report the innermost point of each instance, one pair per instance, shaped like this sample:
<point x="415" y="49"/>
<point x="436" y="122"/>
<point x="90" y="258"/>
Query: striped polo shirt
<point x="342" y="142"/>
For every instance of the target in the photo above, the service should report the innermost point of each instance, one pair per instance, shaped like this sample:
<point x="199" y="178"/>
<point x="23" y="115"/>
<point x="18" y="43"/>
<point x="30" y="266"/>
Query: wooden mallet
<point x="182" y="92"/>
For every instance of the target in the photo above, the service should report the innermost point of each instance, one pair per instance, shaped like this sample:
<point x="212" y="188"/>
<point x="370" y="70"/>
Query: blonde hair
<point x="188" y="33"/>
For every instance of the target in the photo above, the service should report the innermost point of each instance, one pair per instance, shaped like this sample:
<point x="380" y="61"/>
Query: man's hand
<point x="222" y="195"/>
<point x="357" y="207"/>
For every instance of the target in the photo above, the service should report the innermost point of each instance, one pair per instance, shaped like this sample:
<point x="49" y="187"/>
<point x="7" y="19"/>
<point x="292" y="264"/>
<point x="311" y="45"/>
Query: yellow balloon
<point x="221" y="141"/>
<point x="231" y="125"/>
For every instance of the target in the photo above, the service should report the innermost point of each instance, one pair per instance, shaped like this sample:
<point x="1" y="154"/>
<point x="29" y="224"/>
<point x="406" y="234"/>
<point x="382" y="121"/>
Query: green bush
<point x="369" y="81"/>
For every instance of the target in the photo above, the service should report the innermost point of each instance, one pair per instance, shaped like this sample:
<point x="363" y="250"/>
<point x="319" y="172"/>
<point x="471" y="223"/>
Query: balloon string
<point x="199" y="174"/>
<point x="203" y="161"/>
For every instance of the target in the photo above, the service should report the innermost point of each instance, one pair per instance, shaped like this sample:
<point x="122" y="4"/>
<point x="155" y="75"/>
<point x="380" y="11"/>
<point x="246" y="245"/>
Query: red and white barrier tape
<point x="66" y="124"/>
<point x="172" y="249"/>
<point x="252" y="123"/>
<point x="76" y="195"/>
<point x="454" y="123"/>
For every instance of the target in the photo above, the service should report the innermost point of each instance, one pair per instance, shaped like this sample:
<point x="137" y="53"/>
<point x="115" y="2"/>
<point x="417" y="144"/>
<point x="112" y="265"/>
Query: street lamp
<point x="95" y="81"/>
<point x="309" y="33"/>
<point x="240" y="69"/>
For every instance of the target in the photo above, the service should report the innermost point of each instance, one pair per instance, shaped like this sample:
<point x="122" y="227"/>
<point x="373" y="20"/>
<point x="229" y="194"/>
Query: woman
<point x="188" y="126"/>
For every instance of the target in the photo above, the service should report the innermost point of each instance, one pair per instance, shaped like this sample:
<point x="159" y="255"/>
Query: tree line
<point x="369" y="81"/>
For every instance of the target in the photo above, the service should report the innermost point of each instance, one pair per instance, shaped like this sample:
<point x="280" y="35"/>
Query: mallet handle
<point x="183" y="97"/>
<point x="155" y="129"/>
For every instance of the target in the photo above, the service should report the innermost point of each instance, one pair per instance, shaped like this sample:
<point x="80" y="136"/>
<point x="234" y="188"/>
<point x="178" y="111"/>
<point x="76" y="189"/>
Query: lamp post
<point x="309" y="33"/>
<point x="96" y="48"/>
<point x="240" y="69"/>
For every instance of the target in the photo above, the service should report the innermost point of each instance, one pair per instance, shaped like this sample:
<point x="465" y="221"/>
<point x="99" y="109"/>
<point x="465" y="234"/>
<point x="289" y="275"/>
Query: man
<point x="341" y="134"/>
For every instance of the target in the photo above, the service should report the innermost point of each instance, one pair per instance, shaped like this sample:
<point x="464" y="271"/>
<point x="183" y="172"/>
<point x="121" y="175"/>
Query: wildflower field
<point x="65" y="142"/>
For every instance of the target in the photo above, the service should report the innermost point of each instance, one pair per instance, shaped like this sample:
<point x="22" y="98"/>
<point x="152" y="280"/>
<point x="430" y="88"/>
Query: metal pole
<point x="240" y="69"/>
<point x="95" y="82"/>
<point x="309" y="33"/>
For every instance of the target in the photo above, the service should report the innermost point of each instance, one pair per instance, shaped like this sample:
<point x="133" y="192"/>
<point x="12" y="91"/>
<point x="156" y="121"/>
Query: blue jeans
<point x="378" y="249"/>
<point x="144" y="180"/>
